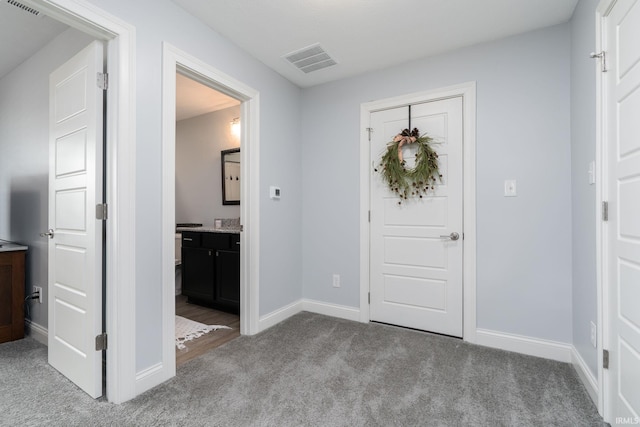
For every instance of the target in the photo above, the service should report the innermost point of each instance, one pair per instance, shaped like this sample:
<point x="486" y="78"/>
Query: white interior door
<point x="75" y="245"/>
<point x="622" y="88"/>
<point x="415" y="272"/>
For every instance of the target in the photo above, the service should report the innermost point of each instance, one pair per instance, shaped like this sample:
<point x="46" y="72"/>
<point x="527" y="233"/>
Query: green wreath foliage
<point x="410" y="182"/>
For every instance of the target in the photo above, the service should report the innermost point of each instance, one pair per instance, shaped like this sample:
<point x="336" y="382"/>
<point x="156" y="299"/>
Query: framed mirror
<point x="231" y="176"/>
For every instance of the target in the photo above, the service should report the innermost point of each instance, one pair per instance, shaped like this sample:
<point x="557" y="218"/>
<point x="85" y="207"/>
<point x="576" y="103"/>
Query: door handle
<point x="452" y="236"/>
<point x="48" y="234"/>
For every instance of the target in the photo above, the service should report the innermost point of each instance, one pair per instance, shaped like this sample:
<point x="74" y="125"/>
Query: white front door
<point x="75" y="245"/>
<point x="415" y="268"/>
<point x="622" y="112"/>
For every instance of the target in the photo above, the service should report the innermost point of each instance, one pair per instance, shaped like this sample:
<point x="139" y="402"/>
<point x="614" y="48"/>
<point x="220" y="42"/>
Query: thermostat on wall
<point x="274" y="192"/>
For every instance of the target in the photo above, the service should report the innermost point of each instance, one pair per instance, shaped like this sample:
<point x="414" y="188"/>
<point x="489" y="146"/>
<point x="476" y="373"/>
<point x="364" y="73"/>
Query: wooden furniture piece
<point x="211" y="269"/>
<point x="12" y="292"/>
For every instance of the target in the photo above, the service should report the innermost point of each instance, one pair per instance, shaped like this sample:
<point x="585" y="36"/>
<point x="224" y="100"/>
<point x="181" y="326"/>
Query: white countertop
<point x="12" y="247"/>
<point x="210" y="229"/>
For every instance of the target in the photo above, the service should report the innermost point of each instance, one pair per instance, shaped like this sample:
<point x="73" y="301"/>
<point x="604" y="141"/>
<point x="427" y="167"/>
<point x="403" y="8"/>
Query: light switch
<point x="274" y="192"/>
<point x="510" y="188"/>
<point x="592" y="173"/>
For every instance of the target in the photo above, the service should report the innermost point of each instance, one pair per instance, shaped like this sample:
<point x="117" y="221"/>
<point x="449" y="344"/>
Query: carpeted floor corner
<point x="313" y="370"/>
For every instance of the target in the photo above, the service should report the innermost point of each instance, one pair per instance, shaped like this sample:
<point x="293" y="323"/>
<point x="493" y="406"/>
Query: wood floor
<point x="208" y="341"/>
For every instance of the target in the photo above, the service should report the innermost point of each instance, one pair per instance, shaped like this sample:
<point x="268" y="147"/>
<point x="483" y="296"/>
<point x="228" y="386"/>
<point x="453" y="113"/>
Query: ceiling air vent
<point x="24" y="7"/>
<point x="310" y="58"/>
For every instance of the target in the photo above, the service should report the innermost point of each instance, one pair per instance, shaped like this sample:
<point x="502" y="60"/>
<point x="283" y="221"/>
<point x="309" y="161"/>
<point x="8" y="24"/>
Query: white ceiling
<point x="23" y="34"/>
<point x="364" y="35"/>
<point x="194" y="99"/>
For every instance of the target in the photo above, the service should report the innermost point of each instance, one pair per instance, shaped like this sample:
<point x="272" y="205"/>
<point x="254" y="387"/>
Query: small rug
<point x="187" y="330"/>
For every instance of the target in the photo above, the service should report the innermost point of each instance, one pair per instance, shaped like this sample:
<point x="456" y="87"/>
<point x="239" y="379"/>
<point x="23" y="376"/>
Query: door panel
<point x="416" y="275"/>
<point x="622" y="88"/>
<point x="75" y="250"/>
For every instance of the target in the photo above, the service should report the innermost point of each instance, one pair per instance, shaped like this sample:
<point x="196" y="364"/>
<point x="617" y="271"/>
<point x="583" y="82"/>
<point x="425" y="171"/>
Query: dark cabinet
<point x="198" y="273"/>
<point x="11" y="295"/>
<point x="211" y="269"/>
<point x="228" y="277"/>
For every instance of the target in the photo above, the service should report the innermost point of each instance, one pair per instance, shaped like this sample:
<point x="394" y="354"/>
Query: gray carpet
<point x="313" y="370"/>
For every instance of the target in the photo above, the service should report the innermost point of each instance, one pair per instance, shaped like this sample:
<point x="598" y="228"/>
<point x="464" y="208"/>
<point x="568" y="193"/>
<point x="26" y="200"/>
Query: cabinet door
<point x="228" y="278"/>
<point x="198" y="273"/>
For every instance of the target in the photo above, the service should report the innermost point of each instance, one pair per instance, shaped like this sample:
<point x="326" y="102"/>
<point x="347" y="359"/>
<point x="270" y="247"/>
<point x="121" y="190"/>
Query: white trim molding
<point x="538" y="347"/>
<point x="468" y="93"/>
<point x="149" y="377"/>
<point x="604" y="401"/>
<point x="312" y="306"/>
<point x="279" y="315"/>
<point x="333" y="310"/>
<point x="37" y="332"/>
<point x="175" y="60"/>
<point x="589" y="380"/>
<point x="120" y="301"/>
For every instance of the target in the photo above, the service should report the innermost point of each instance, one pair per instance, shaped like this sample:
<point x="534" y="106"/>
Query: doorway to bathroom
<point x="233" y="243"/>
<point x="207" y="215"/>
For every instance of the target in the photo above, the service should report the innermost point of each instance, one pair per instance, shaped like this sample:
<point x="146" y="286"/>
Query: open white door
<point x="416" y="247"/>
<point x="622" y="110"/>
<point x="75" y="245"/>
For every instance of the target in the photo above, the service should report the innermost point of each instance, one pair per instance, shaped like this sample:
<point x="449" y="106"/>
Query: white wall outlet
<point x="510" y="188"/>
<point x="38" y="290"/>
<point x="336" y="280"/>
<point x="594" y="335"/>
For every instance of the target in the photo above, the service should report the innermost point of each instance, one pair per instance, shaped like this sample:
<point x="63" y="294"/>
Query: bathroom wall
<point x="24" y="157"/>
<point x="199" y="141"/>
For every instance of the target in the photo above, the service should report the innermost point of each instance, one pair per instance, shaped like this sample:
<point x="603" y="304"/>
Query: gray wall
<point x="199" y="141"/>
<point x="583" y="149"/>
<point x="24" y="156"/>
<point x="523" y="133"/>
<point x="280" y="222"/>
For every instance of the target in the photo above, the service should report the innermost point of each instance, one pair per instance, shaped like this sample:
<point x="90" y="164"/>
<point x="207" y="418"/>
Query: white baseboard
<point x="333" y="310"/>
<point x="547" y="349"/>
<point x="36" y="331"/>
<point x="319" y="307"/>
<point x="277" y="316"/>
<point x="150" y="377"/>
<point x="586" y="376"/>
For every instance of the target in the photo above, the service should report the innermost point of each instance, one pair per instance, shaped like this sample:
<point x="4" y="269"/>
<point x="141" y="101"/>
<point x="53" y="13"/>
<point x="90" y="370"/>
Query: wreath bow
<point x="405" y="137"/>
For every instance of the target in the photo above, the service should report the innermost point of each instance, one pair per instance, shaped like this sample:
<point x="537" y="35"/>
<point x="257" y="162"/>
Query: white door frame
<point x="120" y="193"/>
<point x="468" y="93"/>
<point x="601" y="237"/>
<point x="602" y="230"/>
<point x="175" y="60"/>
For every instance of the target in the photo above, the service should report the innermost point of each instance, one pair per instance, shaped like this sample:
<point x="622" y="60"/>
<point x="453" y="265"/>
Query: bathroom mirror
<point x="231" y="176"/>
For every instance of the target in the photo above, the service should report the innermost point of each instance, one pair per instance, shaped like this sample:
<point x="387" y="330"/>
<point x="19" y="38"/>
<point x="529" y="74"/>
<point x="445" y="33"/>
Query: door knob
<point x="48" y="234"/>
<point x="452" y="236"/>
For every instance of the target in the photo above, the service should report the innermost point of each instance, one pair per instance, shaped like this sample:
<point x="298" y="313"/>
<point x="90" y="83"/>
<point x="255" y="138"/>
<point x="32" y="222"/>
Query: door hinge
<point x="369" y="216"/>
<point x="241" y="227"/>
<point x="605" y="359"/>
<point x="369" y="295"/>
<point x="101" y="342"/>
<point x="369" y="130"/>
<point x="102" y="212"/>
<point x="103" y="81"/>
<point x="603" y="57"/>
<point x="605" y="211"/>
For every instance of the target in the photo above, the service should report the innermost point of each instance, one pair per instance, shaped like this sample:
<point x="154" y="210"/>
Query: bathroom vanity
<point x="211" y="267"/>
<point x="12" y="266"/>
